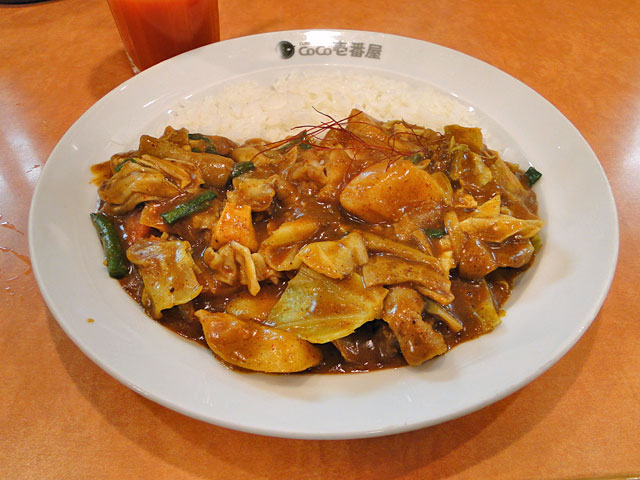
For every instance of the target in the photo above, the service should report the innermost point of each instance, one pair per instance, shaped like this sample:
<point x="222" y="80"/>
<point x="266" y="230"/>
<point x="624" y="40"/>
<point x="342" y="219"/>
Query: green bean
<point x="117" y="264"/>
<point x="240" y="168"/>
<point x="194" y="205"/>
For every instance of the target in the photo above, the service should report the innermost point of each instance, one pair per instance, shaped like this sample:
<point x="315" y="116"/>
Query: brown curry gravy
<point x="375" y="349"/>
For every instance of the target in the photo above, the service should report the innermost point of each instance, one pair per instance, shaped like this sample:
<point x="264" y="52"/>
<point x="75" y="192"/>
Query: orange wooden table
<point x="62" y="417"/>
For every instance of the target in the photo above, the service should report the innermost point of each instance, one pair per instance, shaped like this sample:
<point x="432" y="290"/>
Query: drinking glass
<point x="154" y="30"/>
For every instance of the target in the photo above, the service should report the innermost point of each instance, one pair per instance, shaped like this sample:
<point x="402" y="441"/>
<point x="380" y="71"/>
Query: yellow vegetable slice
<point x="321" y="309"/>
<point x="248" y="345"/>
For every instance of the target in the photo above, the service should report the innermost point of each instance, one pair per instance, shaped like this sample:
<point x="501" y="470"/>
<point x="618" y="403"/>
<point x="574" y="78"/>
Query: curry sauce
<point x="352" y="246"/>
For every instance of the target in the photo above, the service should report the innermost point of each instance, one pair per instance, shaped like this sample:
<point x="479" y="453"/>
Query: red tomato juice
<point x="154" y="30"/>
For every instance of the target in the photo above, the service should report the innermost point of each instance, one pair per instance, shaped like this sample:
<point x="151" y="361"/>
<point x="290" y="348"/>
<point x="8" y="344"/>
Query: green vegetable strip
<point x="199" y="136"/>
<point x="301" y="138"/>
<point x="416" y="158"/>
<point x="121" y="164"/>
<point x="117" y="264"/>
<point x="240" y="168"/>
<point x="435" y="233"/>
<point x="210" y="147"/>
<point x="532" y="175"/>
<point x="196" y="204"/>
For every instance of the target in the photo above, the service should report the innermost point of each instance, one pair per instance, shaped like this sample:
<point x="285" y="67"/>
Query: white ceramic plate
<point x="551" y="308"/>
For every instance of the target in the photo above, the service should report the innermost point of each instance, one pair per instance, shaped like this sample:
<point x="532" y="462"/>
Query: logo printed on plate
<point x="340" y="49"/>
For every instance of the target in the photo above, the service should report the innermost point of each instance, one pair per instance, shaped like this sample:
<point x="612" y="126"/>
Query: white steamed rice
<point x="249" y="109"/>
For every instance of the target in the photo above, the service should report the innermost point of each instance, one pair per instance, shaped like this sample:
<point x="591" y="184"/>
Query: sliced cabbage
<point x="249" y="307"/>
<point x="378" y="244"/>
<point x="214" y="170"/>
<point x="248" y="345"/>
<point x="182" y="173"/>
<point x="456" y="237"/>
<point x="498" y="229"/>
<point x="321" y="309"/>
<point x="134" y="184"/>
<point x="389" y="270"/>
<point x="337" y="258"/>
<point x="280" y="249"/>
<point x="470" y="136"/>
<point x="168" y="273"/>
<point x="462" y="199"/>
<point x="481" y="309"/>
<point x="489" y="209"/>
<point x="521" y="201"/>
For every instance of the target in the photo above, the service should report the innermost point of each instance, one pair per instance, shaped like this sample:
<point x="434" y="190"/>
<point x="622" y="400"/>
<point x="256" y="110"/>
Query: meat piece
<point x="337" y="258"/>
<point x="234" y="264"/>
<point x="223" y="264"/>
<point x="247" y="270"/>
<point x="476" y="260"/>
<point x="235" y="224"/>
<point x="418" y="340"/>
<point x="257" y="193"/>
<point x="385" y="190"/>
<point x="366" y="350"/>
<point x="514" y="253"/>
